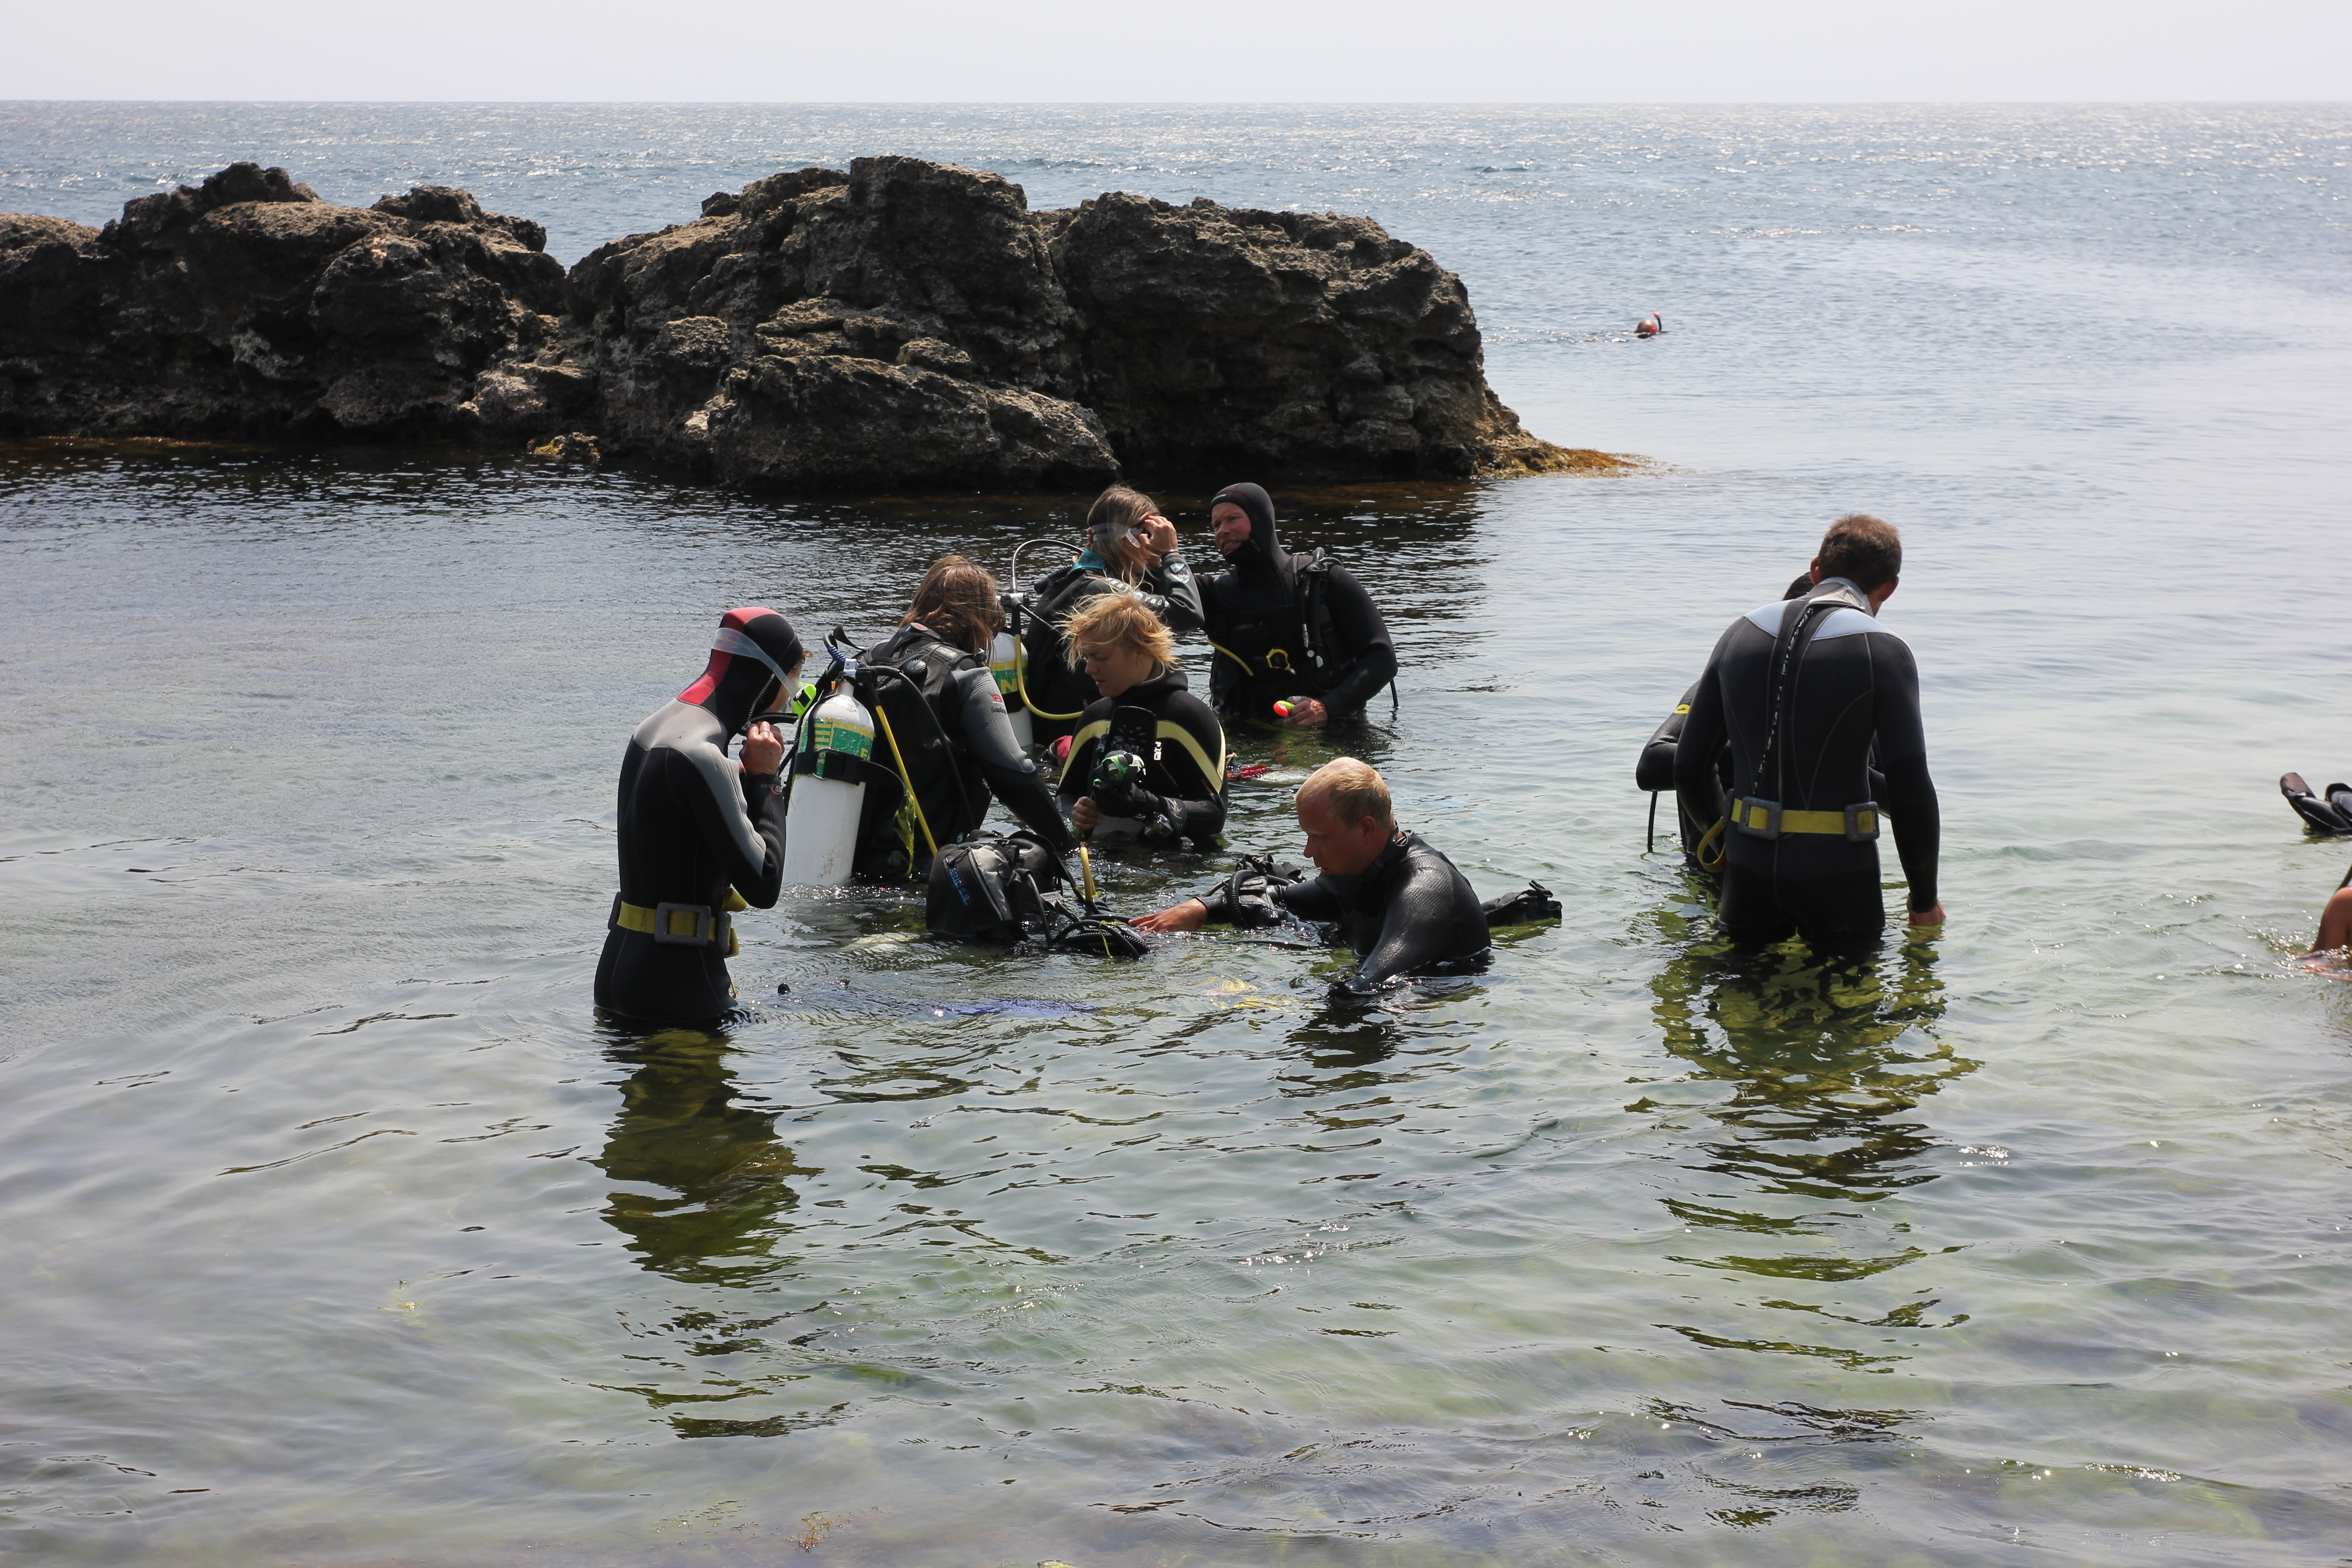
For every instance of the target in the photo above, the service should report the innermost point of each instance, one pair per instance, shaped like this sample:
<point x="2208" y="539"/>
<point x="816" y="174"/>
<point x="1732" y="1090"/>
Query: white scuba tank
<point x="821" y="822"/>
<point x="1004" y="662"/>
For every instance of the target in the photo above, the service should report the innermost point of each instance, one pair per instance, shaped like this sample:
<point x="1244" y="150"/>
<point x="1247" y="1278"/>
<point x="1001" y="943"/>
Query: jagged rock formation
<point x="903" y="325"/>
<point x="250" y="307"/>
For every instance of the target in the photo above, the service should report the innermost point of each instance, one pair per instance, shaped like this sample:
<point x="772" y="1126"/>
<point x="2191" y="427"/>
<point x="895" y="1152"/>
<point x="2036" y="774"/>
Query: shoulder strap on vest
<point x="1799" y="625"/>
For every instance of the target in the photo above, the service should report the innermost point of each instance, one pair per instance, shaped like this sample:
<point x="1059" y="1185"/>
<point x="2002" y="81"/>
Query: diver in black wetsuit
<point x="1697" y="816"/>
<point x="1129" y="547"/>
<point x="1802" y="688"/>
<point x="1286" y="625"/>
<point x="696" y="828"/>
<point x="930" y="678"/>
<point x="1148" y="725"/>
<point x="1398" y="902"/>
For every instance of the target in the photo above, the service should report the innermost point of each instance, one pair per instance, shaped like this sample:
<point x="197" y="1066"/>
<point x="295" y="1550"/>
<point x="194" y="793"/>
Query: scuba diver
<point x="1130" y="547"/>
<point x="1297" y="638"/>
<point x="1802" y="688"/>
<point x="699" y="834"/>
<point x="1699" y="819"/>
<point x="1398" y="902"/>
<point x="1149" y="757"/>
<point x="946" y="728"/>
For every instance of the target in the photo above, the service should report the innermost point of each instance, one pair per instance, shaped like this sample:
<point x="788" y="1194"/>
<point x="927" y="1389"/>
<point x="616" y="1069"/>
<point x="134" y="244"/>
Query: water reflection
<point x="1826" y="1060"/>
<point x="727" y="1178"/>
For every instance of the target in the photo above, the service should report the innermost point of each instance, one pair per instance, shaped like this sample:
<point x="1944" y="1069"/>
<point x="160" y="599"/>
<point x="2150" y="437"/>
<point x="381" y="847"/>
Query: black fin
<point x="2332" y="817"/>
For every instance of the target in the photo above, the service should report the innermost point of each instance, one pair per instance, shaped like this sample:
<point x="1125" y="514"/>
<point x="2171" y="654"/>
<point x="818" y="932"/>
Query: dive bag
<point x="1006" y="888"/>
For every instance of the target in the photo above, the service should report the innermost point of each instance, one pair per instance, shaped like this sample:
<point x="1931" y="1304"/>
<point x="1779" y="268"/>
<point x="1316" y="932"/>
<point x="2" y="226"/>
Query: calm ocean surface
<point x="334" y="1228"/>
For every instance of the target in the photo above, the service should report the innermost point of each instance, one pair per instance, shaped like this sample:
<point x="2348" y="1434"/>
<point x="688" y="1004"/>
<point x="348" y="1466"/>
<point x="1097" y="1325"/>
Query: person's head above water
<point x="958" y="602"/>
<point x="1118" y="530"/>
<point x="1121" y="643"/>
<point x="1242" y="517"/>
<point x="1863" y="550"/>
<point x="754" y="660"/>
<point x="1344" y="812"/>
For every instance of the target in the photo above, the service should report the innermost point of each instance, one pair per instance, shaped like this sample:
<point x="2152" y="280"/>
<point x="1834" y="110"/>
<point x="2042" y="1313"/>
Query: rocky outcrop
<point x="899" y="324"/>
<point x="902" y="324"/>
<point x="248" y="306"/>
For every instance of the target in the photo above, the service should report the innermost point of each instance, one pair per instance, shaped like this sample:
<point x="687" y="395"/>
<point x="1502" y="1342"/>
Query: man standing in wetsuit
<point x="1296" y="629"/>
<point x="699" y="832"/>
<point x="1397" y="902"/>
<point x="1800" y="688"/>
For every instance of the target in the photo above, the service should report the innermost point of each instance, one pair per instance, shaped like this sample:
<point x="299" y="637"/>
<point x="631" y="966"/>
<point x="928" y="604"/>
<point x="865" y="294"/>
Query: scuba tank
<point x="1004" y="664"/>
<point x="835" y="750"/>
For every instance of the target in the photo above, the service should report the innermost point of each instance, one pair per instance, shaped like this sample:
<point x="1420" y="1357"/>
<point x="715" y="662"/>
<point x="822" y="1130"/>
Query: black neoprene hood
<point x="1264" y="553"/>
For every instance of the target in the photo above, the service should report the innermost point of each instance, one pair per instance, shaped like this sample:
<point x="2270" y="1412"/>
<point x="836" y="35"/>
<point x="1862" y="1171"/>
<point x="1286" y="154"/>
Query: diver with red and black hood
<point x="1297" y="630"/>
<point x="700" y="834"/>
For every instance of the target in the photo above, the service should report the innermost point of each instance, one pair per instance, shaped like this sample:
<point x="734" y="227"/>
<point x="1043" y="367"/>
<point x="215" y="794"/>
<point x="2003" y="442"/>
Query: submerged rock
<point x="901" y="324"/>
<point x="248" y="306"/>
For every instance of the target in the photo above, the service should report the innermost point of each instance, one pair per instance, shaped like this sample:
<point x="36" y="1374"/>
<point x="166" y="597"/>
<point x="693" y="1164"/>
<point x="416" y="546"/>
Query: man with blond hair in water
<point x="1398" y="902"/>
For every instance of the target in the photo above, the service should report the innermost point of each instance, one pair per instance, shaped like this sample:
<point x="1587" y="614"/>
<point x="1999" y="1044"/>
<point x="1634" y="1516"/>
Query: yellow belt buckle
<point x="1769" y="810"/>
<point x="1862" y="821"/>
<point x="699" y="930"/>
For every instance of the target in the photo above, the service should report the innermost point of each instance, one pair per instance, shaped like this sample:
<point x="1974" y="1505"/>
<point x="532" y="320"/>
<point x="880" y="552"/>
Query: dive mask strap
<point x="730" y="640"/>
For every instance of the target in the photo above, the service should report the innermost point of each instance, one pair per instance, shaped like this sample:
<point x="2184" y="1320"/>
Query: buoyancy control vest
<point x="909" y="680"/>
<point x="1293" y="645"/>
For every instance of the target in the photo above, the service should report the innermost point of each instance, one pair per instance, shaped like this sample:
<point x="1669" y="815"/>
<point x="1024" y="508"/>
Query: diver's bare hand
<point x="763" y="749"/>
<point x="1159" y="536"/>
<point x="1934" y="917"/>
<point x="1085" y="814"/>
<point x="1310" y="714"/>
<point x="1190" y="915"/>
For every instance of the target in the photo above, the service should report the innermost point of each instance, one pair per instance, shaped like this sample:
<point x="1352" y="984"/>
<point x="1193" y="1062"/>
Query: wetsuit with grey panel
<point x="1854" y="682"/>
<point x="692" y="825"/>
<point x="951" y="732"/>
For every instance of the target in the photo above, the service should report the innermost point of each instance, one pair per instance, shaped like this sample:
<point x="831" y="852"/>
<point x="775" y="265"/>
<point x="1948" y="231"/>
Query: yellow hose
<point x="1227" y="652"/>
<point x="1087" y="865"/>
<point x="1021" y="679"/>
<point x="1709" y="837"/>
<point x="905" y="783"/>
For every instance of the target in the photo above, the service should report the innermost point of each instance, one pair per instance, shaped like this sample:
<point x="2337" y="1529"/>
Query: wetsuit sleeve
<point x="1417" y="927"/>
<point x="1172" y="594"/>
<point x="741" y="817"/>
<point x="1656" y="768"/>
<point x="1199" y="812"/>
<point x="1902" y="744"/>
<point x="1312" y="900"/>
<point x="1702" y="729"/>
<point x="1365" y="637"/>
<point x="988" y="741"/>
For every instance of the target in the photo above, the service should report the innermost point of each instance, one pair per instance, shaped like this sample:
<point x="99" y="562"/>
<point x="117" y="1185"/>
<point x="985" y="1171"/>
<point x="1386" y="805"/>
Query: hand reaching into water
<point x="1934" y="917"/>
<point x="1190" y="915"/>
<point x="763" y="749"/>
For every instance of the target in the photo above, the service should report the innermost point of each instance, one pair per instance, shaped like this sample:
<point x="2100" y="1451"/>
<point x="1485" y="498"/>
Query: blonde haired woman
<point x="1148" y="757"/>
<point x="1131" y="549"/>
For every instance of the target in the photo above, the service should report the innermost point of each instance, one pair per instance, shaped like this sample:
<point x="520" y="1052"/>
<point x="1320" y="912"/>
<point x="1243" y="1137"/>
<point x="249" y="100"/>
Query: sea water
<point x="335" y="1226"/>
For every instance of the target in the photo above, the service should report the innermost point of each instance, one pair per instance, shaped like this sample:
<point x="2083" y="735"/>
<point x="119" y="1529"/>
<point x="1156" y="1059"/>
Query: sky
<point x="1214" y="51"/>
